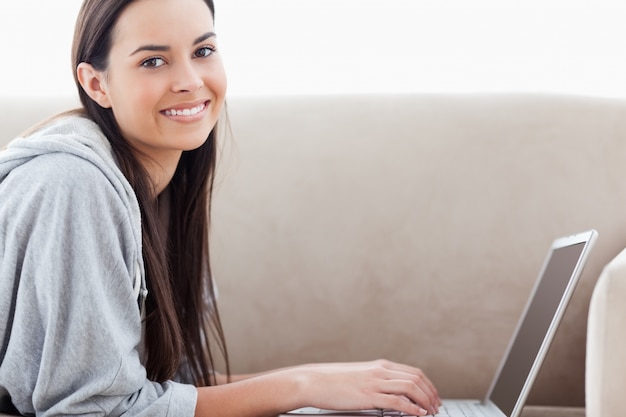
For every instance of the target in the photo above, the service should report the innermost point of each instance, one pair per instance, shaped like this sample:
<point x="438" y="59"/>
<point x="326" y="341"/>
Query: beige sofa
<point x="412" y="227"/>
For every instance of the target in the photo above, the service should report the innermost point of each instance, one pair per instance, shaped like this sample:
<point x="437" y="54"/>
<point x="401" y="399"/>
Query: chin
<point x="193" y="144"/>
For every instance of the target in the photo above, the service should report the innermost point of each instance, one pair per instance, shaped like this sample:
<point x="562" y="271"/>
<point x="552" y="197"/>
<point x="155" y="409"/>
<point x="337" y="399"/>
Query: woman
<point x="106" y="298"/>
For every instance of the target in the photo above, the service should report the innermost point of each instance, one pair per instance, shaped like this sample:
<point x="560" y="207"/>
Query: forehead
<point x="162" y="21"/>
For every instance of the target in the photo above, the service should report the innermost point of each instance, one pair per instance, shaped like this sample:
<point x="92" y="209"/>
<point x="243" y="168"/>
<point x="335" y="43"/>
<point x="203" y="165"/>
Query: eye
<point x="204" y="52"/>
<point x="153" y="62"/>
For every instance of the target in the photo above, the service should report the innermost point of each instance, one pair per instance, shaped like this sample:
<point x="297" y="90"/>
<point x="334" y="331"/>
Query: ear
<point x="94" y="83"/>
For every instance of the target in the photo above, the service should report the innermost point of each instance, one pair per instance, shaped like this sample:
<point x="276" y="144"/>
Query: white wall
<point x="322" y="46"/>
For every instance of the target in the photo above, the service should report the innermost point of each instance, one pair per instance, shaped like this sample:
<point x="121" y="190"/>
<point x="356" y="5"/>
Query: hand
<point x="369" y="385"/>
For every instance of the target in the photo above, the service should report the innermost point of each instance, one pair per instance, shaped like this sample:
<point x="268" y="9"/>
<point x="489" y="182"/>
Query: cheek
<point x="136" y="102"/>
<point x="223" y="82"/>
<point x="219" y="89"/>
<point x="217" y="80"/>
<point x="134" y="112"/>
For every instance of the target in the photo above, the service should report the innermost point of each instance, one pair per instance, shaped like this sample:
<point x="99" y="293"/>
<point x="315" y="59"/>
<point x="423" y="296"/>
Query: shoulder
<point x="65" y="176"/>
<point x="58" y="190"/>
<point x="57" y="172"/>
<point x="69" y="157"/>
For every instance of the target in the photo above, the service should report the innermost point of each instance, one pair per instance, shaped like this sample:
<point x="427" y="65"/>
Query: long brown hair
<point x="182" y="321"/>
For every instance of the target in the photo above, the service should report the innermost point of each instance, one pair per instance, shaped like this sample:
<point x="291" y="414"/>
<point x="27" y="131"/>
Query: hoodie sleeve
<point x="72" y="339"/>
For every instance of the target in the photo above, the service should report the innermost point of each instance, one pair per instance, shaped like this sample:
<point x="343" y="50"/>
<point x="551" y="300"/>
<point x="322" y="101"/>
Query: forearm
<point x="261" y="395"/>
<point x="223" y="379"/>
<point x="357" y="386"/>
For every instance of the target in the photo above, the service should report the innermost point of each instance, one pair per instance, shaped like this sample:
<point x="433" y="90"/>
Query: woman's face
<point x="165" y="82"/>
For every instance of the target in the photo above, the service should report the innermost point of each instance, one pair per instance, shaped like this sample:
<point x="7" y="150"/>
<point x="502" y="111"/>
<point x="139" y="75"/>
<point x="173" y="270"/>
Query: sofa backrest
<point x="18" y="114"/>
<point x="410" y="227"/>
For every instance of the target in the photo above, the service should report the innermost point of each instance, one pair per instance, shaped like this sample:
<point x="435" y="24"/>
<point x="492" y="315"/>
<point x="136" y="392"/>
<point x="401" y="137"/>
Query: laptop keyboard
<point x="460" y="410"/>
<point x="450" y="409"/>
<point x="447" y="410"/>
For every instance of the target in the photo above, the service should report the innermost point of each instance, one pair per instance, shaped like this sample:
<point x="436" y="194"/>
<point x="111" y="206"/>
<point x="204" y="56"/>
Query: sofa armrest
<point x="605" y="376"/>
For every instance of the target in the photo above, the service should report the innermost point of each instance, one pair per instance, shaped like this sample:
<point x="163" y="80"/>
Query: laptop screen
<point x="534" y="327"/>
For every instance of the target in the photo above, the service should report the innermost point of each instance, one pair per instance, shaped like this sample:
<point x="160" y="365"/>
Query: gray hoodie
<point x="72" y="281"/>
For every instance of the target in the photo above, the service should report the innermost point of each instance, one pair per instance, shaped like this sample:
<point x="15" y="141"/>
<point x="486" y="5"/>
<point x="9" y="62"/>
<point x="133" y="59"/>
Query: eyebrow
<point x="165" y="48"/>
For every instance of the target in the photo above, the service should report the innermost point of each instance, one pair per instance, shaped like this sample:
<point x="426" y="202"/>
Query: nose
<point x="186" y="78"/>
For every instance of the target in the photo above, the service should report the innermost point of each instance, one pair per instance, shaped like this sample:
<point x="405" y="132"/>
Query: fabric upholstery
<point x="410" y="227"/>
<point x="606" y="340"/>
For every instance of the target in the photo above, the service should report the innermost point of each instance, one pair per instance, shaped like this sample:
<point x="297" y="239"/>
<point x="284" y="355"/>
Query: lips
<point x="185" y="111"/>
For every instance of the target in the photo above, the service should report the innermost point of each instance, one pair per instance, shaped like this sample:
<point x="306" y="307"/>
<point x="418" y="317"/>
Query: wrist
<point x="265" y="395"/>
<point x="293" y="385"/>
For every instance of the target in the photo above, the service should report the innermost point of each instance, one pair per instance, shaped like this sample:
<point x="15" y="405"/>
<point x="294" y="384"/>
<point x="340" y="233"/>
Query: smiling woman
<point x="353" y="46"/>
<point x="125" y="184"/>
<point x="161" y="79"/>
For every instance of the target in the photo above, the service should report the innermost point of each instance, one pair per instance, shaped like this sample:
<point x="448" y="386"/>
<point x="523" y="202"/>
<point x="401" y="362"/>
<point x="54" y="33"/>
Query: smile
<point x="185" y="112"/>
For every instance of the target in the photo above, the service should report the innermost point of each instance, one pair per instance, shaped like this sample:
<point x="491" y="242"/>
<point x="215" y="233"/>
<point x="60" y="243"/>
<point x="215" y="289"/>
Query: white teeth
<point x="185" y="112"/>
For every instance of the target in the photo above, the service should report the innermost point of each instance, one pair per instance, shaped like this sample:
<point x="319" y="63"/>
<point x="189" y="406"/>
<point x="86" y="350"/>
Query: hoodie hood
<point x="81" y="137"/>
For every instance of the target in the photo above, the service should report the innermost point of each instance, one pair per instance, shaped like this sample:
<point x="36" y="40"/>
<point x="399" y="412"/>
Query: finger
<point x="417" y="372"/>
<point x="416" y="385"/>
<point x="409" y="390"/>
<point x="409" y="370"/>
<point x="401" y="404"/>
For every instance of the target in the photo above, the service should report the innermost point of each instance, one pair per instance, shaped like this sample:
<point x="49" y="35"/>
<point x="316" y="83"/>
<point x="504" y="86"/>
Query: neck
<point x="161" y="170"/>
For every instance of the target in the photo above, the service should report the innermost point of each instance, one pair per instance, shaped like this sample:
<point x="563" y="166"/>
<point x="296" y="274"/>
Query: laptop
<point x="530" y="342"/>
